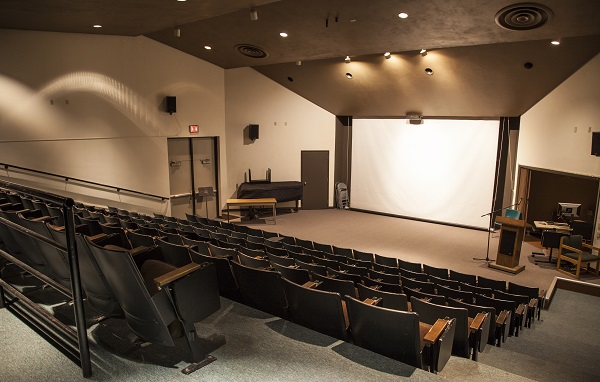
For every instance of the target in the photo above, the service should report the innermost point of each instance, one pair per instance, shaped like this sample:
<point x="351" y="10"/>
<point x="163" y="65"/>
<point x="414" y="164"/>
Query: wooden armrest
<point x="378" y="280"/>
<point x="520" y="310"/>
<point x="311" y="284"/>
<point x="542" y="294"/>
<point x="343" y="271"/>
<point x="372" y="300"/>
<point x="376" y="287"/>
<point x="533" y="303"/>
<point x="294" y="266"/>
<point x="137" y="250"/>
<point x="477" y="321"/>
<point x="43" y="219"/>
<point x="572" y="249"/>
<point x="589" y="246"/>
<point x="176" y="274"/>
<point x="97" y="237"/>
<point x="502" y="317"/>
<point x="113" y="247"/>
<point x="436" y="331"/>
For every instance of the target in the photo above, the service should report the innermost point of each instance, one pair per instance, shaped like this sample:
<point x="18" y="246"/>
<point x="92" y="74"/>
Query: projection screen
<point x="441" y="170"/>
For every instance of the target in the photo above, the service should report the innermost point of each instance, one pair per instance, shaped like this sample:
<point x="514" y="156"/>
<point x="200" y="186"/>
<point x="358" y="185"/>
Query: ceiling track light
<point x="347" y="60"/>
<point x="387" y="55"/>
<point x="177" y="32"/>
<point x="253" y="14"/>
<point x="423" y="52"/>
<point x="298" y="63"/>
<point x="556" y="41"/>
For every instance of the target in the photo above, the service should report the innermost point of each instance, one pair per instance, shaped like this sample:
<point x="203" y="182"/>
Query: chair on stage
<point x="573" y="250"/>
<point x="550" y="240"/>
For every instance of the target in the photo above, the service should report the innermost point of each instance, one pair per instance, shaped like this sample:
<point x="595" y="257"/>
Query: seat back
<point x="419" y="276"/>
<point x="326" y="262"/>
<point x="276" y="251"/>
<point x="176" y="255"/>
<point x="433" y="298"/>
<point x="354" y="269"/>
<point x="463" y="277"/>
<point x="389" y="332"/>
<point x="490" y="336"/>
<point x="342" y="287"/>
<point x="304" y="243"/>
<point x="384" y="260"/>
<point x="285" y="261"/>
<point x="445" y="282"/>
<point x="261" y="289"/>
<point x="253" y="262"/>
<point x="314" y="268"/>
<point x="575" y="241"/>
<point x="385" y="269"/>
<point x="218" y="251"/>
<point x="385" y="277"/>
<point x="437" y="272"/>
<point x="461" y="295"/>
<point x="410" y="266"/>
<point x="429" y="313"/>
<point x="423" y="286"/>
<point x="476" y="289"/>
<point x="396" y="301"/>
<point x="343" y="251"/>
<point x="499" y="305"/>
<point x="252" y="252"/>
<point x="323" y="247"/>
<point x="316" y="309"/>
<point x="225" y="279"/>
<point x="365" y="256"/>
<point x="296" y="275"/>
<point x="530" y="292"/>
<point x="140" y="240"/>
<point x="387" y="287"/>
<point x="484" y="282"/>
<point x="518" y="298"/>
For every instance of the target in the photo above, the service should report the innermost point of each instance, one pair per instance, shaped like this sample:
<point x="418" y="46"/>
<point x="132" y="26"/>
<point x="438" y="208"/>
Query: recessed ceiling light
<point x="349" y="75"/>
<point x="403" y="15"/>
<point x="347" y="60"/>
<point x="97" y="26"/>
<point x="387" y="55"/>
<point x="429" y="71"/>
<point x="423" y="52"/>
<point x="181" y="0"/>
<point x="207" y="47"/>
<point x="283" y="34"/>
<point x="555" y="42"/>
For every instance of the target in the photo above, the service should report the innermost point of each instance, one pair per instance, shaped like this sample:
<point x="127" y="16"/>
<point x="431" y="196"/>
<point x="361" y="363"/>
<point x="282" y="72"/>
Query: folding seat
<point x="39" y="205"/>
<point x="253" y="252"/>
<point x="242" y="229"/>
<point x="281" y="260"/>
<point x="385" y="260"/>
<point x="300" y="257"/>
<point x="93" y="225"/>
<point x="361" y="263"/>
<point x="219" y="236"/>
<point x="326" y="262"/>
<point x="323" y="247"/>
<point x="236" y="240"/>
<point x="174" y="254"/>
<point x="460" y="295"/>
<point x="276" y="251"/>
<point x="470" y="336"/>
<point x="287" y="240"/>
<point x="484" y="282"/>
<point x="267" y="234"/>
<point x="140" y="240"/>
<point x="410" y="266"/>
<point x="197" y="245"/>
<point x="58" y="216"/>
<point x="385" y="277"/>
<point x="463" y="277"/>
<point x="355" y="270"/>
<point x="537" y="297"/>
<point x="315" y="309"/>
<point x="381" y="285"/>
<point x="273" y="244"/>
<point x="253" y="262"/>
<point x="475" y="289"/>
<point x="364" y="256"/>
<point x="177" y="297"/>
<point x="313" y="268"/>
<point x="423" y="286"/>
<point x="356" y="279"/>
<point x="339" y="258"/>
<point x="396" y="301"/>
<point x="255" y="239"/>
<point x="437" y="272"/>
<point x="185" y="228"/>
<point x="429" y="297"/>
<point x="116" y="230"/>
<point x="516" y="317"/>
<point x="191" y="218"/>
<point x="227" y="284"/>
<point x="292" y="273"/>
<point x="239" y="235"/>
<point x="227" y="245"/>
<point x="499" y="324"/>
<point x="314" y="253"/>
<point x="419" y="276"/>
<point x="522" y="302"/>
<point x="218" y="251"/>
<point x="304" y="243"/>
<point x="385" y="269"/>
<point x="202" y="232"/>
<point x="343" y="251"/>
<point x="445" y="282"/>
<point x="223" y="231"/>
<point x="292" y="248"/>
<point x="401" y="335"/>
<point x="230" y="227"/>
<point x="261" y="289"/>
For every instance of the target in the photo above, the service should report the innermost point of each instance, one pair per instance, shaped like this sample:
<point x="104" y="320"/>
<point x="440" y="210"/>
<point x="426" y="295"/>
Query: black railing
<point x="88" y="182"/>
<point x="73" y="342"/>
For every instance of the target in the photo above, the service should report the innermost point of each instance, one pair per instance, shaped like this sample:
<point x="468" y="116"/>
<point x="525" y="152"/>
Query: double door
<point x="193" y="166"/>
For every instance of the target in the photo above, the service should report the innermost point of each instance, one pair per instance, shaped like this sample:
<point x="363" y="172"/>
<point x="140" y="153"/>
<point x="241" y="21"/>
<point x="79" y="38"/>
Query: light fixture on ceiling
<point x="403" y="15"/>
<point x="423" y="52"/>
<point x="97" y="26"/>
<point x="556" y="41"/>
<point x="253" y="14"/>
<point x="283" y="34"/>
<point x="387" y="55"/>
<point x="177" y="32"/>
<point x="429" y="71"/>
<point x="182" y="0"/>
<point x="298" y="63"/>
<point x="414" y="119"/>
<point x="207" y="47"/>
<point x="349" y="76"/>
<point x="347" y="60"/>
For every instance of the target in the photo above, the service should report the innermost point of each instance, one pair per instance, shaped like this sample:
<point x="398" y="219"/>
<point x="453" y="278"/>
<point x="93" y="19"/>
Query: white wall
<point x="288" y="124"/>
<point x="555" y="133"/>
<point x="92" y="107"/>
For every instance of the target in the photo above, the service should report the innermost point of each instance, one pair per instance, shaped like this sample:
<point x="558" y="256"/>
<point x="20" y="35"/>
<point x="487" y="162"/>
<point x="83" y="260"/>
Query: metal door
<point x="315" y="178"/>
<point x="192" y="165"/>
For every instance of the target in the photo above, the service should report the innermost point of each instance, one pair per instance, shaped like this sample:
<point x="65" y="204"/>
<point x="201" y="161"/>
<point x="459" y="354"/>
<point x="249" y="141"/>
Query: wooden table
<point x="542" y="225"/>
<point x="253" y="202"/>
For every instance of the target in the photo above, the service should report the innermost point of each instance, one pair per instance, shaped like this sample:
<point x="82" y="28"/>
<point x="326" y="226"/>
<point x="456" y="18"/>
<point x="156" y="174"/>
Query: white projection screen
<point x="441" y="170"/>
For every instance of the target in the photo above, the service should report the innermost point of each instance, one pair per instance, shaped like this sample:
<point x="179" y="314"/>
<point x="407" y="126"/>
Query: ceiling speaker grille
<point x="524" y="16"/>
<point x="251" y="51"/>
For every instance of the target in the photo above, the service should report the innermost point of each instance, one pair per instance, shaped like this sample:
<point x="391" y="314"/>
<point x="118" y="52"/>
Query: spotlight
<point x="283" y="34"/>
<point x="556" y="41"/>
<point x="207" y="47"/>
<point x="429" y="71"/>
<point x="97" y="26"/>
<point x="349" y="76"/>
<point x="253" y="14"/>
<point x="177" y="32"/>
<point x="387" y="55"/>
<point x="423" y="52"/>
<point x="347" y="60"/>
<point x="403" y="15"/>
<point x="298" y="62"/>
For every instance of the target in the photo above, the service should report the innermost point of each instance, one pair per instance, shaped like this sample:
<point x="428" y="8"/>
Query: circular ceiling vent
<point x="524" y="16"/>
<point x="251" y="51"/>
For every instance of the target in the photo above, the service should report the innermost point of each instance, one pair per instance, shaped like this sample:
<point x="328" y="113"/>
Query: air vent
<point x="251" y="51"/>
<point x="524" y="16"/>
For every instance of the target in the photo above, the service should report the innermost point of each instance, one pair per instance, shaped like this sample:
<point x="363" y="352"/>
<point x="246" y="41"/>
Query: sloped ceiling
<point x="478" y="66"/>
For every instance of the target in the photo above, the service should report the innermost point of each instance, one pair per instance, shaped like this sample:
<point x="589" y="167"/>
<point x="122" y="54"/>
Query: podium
<point x="509" y="245"/>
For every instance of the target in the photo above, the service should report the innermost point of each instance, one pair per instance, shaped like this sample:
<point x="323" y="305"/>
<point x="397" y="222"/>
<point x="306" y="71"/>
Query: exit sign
<point x="193" y="129"/>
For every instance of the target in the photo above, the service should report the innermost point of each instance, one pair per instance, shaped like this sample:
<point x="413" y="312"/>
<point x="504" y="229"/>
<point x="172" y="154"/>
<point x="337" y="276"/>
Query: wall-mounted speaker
<point x="171" y="104"/>
<point x="596" y="144"/>
<point x="253" y="132"/>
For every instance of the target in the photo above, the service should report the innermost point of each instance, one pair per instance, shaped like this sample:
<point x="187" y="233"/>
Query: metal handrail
<point x="76" y="289"/>
<point x="68" y="178"/>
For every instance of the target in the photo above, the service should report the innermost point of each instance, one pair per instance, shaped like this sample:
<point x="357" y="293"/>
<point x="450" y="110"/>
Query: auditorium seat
<point x="499" y="324"/>
<point x="381" y="285"/>
<point x="218" y="251"/>
<point x="429" y="297"/>
<point x="470" y="336"/>
<point x="522" y="302"/>
<point x="463" y="277"/>
<point x="315" y="309"/>
<point x="281" y="260"/>
<point x="253" y="262"/>
<point x="340" y="275"/>
<point x="445" y="282"/>
<point x="364" y="256"/>
<point x="396" y="301"/>
<point x="276" y="251"/>
<point x="384" y="260"/>
<point x="304" y="243"/>
<point x="292" y="273"/>
<point x="410" y="266"/>
<point x="401" y="335"/>
<point x="323" y="247"/>
<point x="315" y="268"/>
<point x="423" y="286"/>
<point x="537" y="297"/>
<point x="500" y="305"/>
<point x="460" y="295"/>
<point x="261" y="289"/>
<point x="385" y="277"/>
<point x="437" y="272"/>
<point x="485" y="282"/>
<point x="385" y="269"/>
<point x="476" y="289"/>
<point x="354" y="269"/>
<point x="347" y="252"/>
<point x="326" y="262"/>
<point x="174" y="254"/>
<point x="166" y="299"/>
<point x="226" y="281"/>
<point x="419" y="276"/>
<point x="361" y="263"/>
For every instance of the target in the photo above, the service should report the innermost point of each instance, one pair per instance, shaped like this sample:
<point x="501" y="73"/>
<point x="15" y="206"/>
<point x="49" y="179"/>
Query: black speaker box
<point x="171" y="103"/>
<point x="596" y="144"/>
<point x="253" y="132"/>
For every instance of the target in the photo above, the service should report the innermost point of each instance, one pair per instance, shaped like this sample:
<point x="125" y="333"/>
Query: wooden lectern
<point x="509" y="246"/>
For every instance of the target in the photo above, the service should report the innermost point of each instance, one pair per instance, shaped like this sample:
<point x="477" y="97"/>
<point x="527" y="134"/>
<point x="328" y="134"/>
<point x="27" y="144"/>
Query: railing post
<point x="84" y="349"/>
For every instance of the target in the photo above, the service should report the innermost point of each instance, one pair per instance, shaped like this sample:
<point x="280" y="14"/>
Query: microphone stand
<point x="491" y="214"/>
